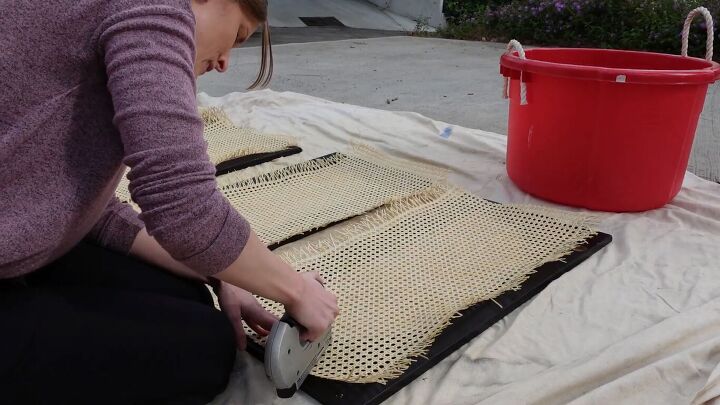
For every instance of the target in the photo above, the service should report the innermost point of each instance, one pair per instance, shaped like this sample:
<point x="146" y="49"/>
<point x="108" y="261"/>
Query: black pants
<point x="99" y="327"/>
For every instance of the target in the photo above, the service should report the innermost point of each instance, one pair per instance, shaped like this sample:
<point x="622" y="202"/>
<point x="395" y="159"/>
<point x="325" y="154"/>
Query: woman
<point x="87" y="86"/>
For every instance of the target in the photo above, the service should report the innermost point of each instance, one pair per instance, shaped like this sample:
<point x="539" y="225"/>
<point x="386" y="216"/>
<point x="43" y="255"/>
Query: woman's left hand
<point x="239" y="305"/>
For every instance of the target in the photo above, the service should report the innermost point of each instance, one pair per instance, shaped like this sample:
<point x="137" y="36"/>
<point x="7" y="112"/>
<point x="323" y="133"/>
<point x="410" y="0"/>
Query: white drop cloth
<point x="638" y="322"/>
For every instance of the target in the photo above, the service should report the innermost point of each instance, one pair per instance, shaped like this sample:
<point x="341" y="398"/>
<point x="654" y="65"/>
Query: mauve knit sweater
<point x="85" y="87"/>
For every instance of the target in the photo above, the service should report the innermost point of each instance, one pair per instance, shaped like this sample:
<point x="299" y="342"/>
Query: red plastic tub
<point x="606" y="130"/>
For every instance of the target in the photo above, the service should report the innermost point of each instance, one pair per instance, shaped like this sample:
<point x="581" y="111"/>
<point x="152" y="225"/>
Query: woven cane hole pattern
<point x="404" y="271"/>
<point x="316" y="193"/>
<point x="122" y="192"/>
<point x="225" y="142"/>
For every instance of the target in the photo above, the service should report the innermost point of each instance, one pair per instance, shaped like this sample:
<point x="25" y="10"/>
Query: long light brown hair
<point x="258" y="10"/>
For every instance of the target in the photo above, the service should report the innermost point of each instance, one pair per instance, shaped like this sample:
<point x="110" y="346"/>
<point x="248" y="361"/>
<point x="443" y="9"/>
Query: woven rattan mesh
<point x="316" y="193"/>
<point x="405" y="270"/>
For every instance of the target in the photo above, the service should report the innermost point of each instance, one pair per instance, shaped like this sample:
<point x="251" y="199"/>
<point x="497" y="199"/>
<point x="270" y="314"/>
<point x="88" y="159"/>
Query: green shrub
<point x="463" y="17"/>
<point x="651" y="25"/>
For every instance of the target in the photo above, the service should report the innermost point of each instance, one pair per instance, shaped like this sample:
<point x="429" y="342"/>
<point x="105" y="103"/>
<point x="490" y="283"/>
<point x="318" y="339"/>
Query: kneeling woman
<point x="98" y="303"/>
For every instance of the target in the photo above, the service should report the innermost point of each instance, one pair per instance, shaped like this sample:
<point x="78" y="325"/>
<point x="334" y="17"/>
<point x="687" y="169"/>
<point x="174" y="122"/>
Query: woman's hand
<point x="263" y="273"/>
<point x="316" y="308"/>
<point x="239" y="305"/>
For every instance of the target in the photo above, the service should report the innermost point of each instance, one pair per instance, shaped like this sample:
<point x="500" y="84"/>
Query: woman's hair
<point x="258" y="10"/>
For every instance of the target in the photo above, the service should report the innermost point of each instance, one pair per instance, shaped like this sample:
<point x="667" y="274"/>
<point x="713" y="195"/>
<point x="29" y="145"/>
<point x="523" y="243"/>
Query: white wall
<point x="415" y="9"/>
<point x="352" y="13"/>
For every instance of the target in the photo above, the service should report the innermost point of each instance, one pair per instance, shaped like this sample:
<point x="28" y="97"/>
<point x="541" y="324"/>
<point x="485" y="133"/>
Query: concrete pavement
<point x="295" y="35"/>
<point x="448" y="80"/>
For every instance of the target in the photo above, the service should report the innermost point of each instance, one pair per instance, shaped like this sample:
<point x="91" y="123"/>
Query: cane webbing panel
<point x="316" y="193"/>
<point x="403" y="271"/>
<point x="225" y="142"/>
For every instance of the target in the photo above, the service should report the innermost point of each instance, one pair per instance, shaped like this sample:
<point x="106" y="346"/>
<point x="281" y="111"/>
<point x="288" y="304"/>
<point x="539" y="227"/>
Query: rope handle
<point x="515" y="45"/>
<point x="710" y="32"/>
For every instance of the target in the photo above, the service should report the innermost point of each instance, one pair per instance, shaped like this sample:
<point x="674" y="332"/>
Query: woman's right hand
<point x="315" y="309"/>
<point x="261" y="272"/>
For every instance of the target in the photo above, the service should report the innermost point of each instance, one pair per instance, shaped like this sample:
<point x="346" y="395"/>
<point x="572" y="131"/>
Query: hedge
<point x="651" y="25"/>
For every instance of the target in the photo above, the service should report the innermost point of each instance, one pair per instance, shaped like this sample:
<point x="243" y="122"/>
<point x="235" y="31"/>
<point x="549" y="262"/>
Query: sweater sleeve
<point x="117" y="227"/>
<point x="148" y="54"/>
